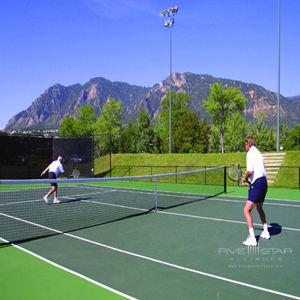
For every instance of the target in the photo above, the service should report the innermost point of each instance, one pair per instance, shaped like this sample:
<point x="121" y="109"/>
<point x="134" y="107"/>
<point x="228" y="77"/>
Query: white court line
<point x="221" y="220"/>
<point x="71" y="271"/>
<point x="184" y="215"/>
<point x="20" y="202"/>
<point x="269" y="199"/>
<point x="64" y="197"/>
<point x="89" y="194"/>
<point x="194" y="196"/>
<point x="210" y="275"/>
<point x="188" y="215"/>
<point x="116" y="205"/>
<point x="265" y="203"/>
<point x="189" y="195"/>
<point x="159" y="194"/>
<point x="166" y="194"/>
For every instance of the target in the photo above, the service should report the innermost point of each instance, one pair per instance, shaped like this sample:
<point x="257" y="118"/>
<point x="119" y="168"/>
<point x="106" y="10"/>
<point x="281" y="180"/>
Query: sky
<point x="44" y="42"/>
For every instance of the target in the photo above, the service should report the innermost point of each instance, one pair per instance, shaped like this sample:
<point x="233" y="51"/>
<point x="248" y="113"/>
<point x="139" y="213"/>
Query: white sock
<point x="251" y="232"/>
<point x="265" y="227"/>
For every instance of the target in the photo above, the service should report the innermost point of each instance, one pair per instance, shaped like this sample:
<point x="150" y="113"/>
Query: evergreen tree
<point x="129" y="138"/>
<point x="190" y="134"/>
<point x="145" y="142"/>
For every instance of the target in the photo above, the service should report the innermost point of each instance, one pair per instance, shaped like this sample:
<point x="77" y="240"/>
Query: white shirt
<point x="255" y="164"/>
<point x="56" y="167"/>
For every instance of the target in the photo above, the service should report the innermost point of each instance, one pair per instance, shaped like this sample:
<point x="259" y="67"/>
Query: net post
<point x="155" y="194"/>
<point x="225" y="180"/>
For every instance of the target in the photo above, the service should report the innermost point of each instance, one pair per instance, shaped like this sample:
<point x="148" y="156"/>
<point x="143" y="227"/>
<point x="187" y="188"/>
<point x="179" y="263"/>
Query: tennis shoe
<point x="45" y="199"/>
<point x="265" y="235"/>
<point x="250" y="242"/>
<point x="56" y="200"/>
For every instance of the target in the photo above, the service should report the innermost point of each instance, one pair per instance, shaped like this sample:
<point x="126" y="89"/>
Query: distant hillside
<point x="48" y="110"/>
<point x="294" y="98"/>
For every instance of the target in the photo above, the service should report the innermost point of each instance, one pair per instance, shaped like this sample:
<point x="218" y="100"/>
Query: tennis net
<point x="87" y="202"/>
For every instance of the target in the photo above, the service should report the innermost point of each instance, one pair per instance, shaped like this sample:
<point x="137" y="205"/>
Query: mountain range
<point x="58" y="101"/>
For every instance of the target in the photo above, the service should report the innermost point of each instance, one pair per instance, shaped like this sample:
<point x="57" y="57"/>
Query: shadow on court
<point x="275" y="229"/>
<point x="75" y="200"/>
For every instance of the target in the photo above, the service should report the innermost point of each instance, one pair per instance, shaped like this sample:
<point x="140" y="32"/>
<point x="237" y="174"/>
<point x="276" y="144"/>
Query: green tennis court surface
<point x="190" y="251"/>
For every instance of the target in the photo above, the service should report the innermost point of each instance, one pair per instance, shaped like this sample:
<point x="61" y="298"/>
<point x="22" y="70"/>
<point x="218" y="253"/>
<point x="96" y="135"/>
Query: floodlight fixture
<point x="169" y="12"/>
<point x="169" y="22"/>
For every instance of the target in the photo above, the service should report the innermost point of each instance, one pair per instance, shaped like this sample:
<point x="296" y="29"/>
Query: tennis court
<point x="112" y="242"/>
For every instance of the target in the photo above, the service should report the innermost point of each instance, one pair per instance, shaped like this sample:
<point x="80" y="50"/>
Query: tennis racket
<point x="75" y="174"/>
<point x="234" y="173"/>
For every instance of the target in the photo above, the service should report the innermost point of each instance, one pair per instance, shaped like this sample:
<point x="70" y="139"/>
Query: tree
<point x="145" y="132"/>
<point x="190" y="134"/>
<point x="214" y="139"/>
<point x="107" y="128"/>
<point x="87" y="119"/>
<point x="180" y="102"/>
<point x="129" y="138"/>
<point x="221" y="103"/>
<point x="293" y="140"/>
<point x="235" y="133"/>
<point x="82" y="126"/>
<point x="264" y="136"/>
<point x="3" y="133"/>
<point x="69" y="127"/>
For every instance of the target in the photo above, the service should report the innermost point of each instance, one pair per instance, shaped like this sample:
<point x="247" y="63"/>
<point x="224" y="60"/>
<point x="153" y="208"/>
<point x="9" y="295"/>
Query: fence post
<point x="225" y="180"/>
<point x="94" y="155"/>
<point x="299" y="177"/>
<point x="110" y="153"/>
<point x="28" y="155"/>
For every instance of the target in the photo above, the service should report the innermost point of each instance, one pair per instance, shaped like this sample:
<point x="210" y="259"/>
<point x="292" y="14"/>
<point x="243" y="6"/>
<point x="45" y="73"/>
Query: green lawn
<point x="140" y="164"/>
<point x="23" y="276"/>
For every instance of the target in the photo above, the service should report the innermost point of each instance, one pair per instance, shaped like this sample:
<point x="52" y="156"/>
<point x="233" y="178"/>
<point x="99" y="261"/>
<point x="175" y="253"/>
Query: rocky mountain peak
<point x="48" y="110"/>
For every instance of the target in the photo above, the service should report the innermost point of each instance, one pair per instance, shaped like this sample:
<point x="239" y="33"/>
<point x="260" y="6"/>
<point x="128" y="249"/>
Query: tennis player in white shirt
<point x="54" y="170"/>
<point x="256" y="176"/>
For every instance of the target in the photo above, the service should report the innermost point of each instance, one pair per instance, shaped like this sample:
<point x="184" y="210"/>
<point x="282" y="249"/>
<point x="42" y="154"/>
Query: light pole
<point x="278" y="92"/>
<point x="169" y="14"/>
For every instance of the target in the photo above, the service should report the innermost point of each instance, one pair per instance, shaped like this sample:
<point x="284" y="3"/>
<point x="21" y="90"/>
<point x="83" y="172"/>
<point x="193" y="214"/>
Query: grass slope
<point x="287" y="177"/>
